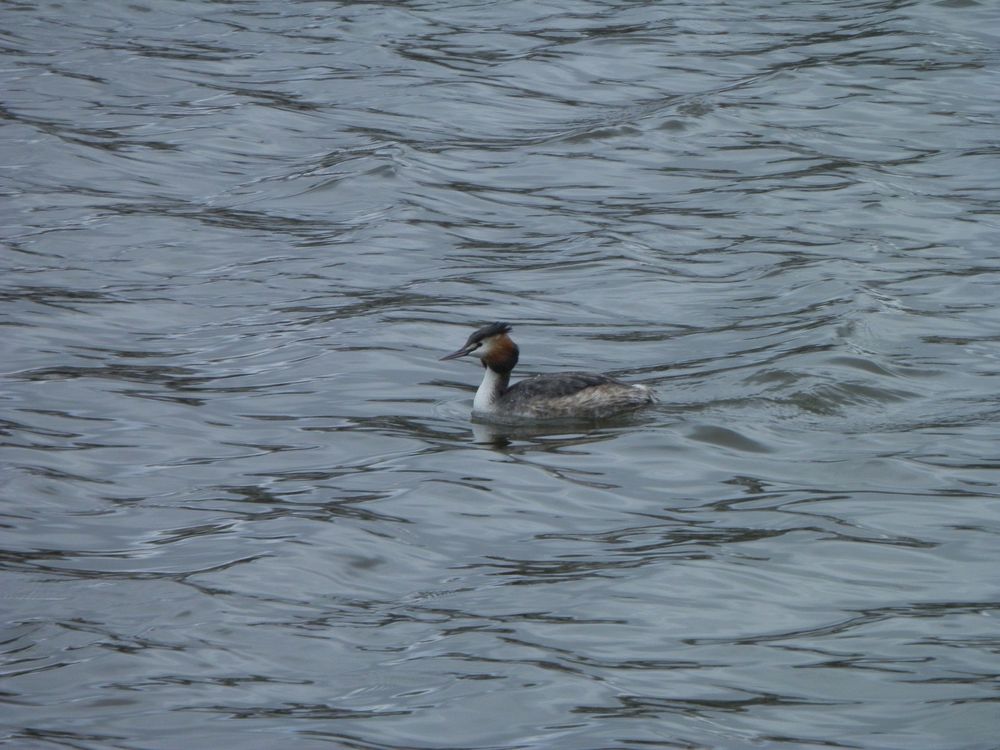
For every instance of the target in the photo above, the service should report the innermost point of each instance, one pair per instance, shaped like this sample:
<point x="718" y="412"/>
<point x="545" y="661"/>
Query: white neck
<point x="491" y="389"/>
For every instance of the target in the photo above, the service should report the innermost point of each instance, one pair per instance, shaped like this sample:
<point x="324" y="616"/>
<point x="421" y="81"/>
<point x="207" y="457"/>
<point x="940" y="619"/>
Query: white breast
<point x="489" y="391"/>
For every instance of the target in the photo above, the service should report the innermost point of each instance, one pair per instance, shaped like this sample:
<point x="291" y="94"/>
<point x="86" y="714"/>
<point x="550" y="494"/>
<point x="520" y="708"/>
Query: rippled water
<point x="243" y="502"/>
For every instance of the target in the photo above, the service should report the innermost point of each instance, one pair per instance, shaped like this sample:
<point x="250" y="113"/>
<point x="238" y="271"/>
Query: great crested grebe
<point x="563" y="395"/>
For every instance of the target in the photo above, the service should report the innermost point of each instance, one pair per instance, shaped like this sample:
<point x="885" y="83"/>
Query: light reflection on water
<point x="239" y="485"/>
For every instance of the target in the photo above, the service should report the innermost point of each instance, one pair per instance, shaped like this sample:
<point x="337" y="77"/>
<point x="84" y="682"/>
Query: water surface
<point x="243" y="503"/>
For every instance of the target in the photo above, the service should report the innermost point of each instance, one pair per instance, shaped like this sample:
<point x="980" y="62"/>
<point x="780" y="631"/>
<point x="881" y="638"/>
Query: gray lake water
<point x="243" y="502"/>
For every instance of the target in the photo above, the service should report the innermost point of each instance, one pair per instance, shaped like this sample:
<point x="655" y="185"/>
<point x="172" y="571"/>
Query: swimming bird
<point x="563" y="395"/>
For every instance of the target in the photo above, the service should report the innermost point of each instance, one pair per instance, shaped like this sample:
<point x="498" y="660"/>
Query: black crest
<point x="493" y="329"/>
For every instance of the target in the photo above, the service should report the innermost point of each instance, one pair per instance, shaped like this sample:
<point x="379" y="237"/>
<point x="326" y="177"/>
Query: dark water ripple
<point x="242" y="503"/>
